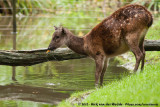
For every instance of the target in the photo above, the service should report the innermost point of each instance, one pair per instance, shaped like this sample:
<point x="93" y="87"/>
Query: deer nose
<point x="49" y="48"/>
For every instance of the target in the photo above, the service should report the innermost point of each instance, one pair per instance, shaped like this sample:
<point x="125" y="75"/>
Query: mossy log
<point x="152" y="45"/>
<point x="27" y="58"/>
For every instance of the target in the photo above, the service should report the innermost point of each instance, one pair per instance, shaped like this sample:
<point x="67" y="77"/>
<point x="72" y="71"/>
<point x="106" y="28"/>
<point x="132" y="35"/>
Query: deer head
<point x="58" y="39"/>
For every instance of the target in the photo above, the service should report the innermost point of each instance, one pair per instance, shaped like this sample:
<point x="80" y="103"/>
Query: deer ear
<point x="55" y="27"/>
<point x="63" y="30"/>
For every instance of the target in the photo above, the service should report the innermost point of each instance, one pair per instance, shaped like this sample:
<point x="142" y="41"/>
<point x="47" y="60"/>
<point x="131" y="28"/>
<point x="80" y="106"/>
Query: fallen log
<point x="27" y="58"/>
<point x="152" y="45"/>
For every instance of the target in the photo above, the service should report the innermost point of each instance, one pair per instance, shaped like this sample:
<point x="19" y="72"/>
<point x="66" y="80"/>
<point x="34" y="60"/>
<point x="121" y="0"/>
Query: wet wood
<point x="152" y="45"/>
<point x="26" y="58"/>
<point x="31" y="57"/>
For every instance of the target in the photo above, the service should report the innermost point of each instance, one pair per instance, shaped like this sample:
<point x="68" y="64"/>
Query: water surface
<point x="48" y="83"/>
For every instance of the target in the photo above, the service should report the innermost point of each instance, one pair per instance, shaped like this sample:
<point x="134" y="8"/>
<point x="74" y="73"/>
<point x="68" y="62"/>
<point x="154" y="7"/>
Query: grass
<point x="135" y="89"/>
<point x="154" y="32"/>
<point x="139" y="88"/>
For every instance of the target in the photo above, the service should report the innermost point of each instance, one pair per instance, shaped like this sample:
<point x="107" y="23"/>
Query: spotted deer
<point x="123" y="30"/>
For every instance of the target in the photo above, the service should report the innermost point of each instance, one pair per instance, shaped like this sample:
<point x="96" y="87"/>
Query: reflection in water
<point x="56" y="79"/>
<point x="49" y="82"/>
<point x="29" y="93"/>
<point x="14" y="73"/>
<point x="14" y="38"/>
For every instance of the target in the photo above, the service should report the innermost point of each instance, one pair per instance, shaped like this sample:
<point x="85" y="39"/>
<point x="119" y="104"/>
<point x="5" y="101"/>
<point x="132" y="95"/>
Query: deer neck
<point x="76" y="44"/>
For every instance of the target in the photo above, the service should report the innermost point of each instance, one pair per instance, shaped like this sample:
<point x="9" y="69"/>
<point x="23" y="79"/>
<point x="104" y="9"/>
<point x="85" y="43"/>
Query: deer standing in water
<point x="124" y="30"/>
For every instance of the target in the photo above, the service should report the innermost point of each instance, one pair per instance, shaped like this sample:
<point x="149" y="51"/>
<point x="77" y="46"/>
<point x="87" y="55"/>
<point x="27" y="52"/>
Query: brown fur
<point x="111" y="32"/>
<point x="124" y="30"/>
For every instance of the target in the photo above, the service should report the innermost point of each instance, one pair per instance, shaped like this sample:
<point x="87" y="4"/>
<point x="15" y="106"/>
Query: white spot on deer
<point x="135" y="15"/>
<point x="123" y="12"/>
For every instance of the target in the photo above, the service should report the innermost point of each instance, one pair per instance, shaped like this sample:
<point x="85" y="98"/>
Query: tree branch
<point x="27" y="58"/>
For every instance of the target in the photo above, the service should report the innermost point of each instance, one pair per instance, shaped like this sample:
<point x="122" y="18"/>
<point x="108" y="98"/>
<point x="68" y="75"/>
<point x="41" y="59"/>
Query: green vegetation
<point x="28" y="7"/>
<point x="52" y="6"/>
<point x="38" y="31"/>
<point x="154" y="32"/>
<point x="151" y="4"/>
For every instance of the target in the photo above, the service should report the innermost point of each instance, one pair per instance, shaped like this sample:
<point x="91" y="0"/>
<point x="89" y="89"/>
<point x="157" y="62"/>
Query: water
<point x="48" y="83"/>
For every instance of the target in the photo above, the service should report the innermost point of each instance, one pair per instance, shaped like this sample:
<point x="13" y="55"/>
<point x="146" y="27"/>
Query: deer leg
<point x="103" y="71"/>
<point x="138" y="55"/>
<point x="132" y="41"/>
<point x="99" y="67"/>
<point x="141" y="46"/>
<point x="143" y="59"/>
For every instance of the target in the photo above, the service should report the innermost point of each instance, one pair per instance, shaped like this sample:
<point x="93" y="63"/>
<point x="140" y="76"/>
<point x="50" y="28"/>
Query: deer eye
<point x="57" y="37"/>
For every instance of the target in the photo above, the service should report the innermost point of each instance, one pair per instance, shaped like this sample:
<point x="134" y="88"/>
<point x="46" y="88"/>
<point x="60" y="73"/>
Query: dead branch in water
<point x="27" y="58"/>
<point x="152" y="45"/>
<point x="31" y="57"/>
